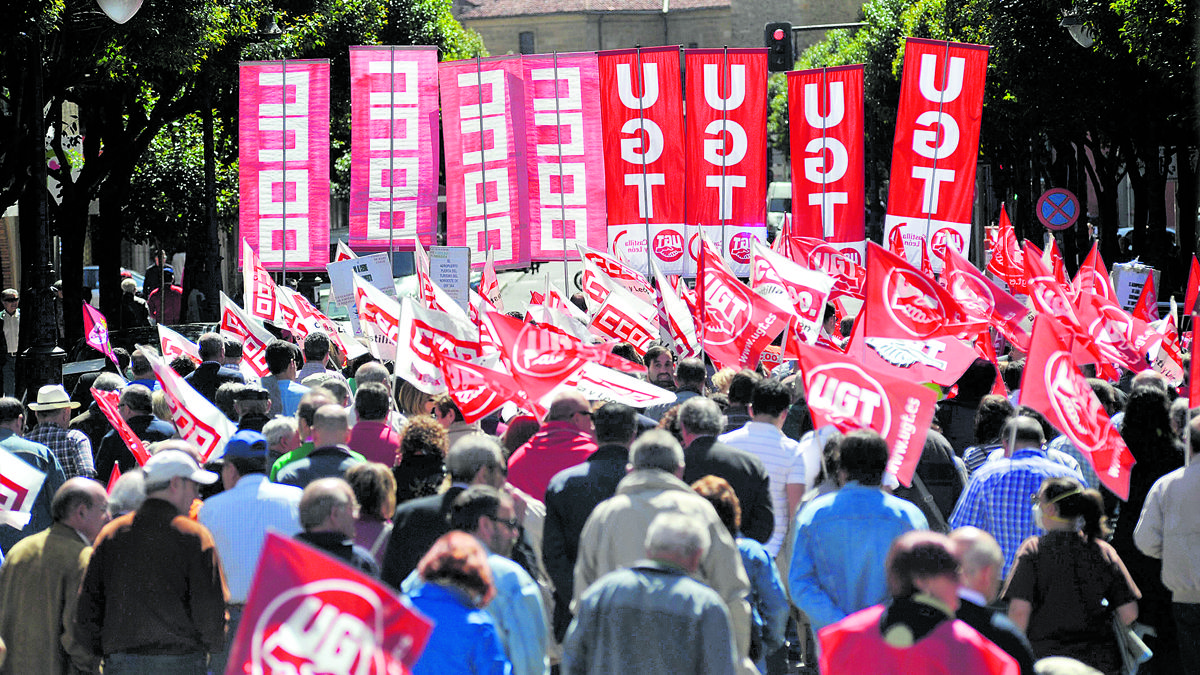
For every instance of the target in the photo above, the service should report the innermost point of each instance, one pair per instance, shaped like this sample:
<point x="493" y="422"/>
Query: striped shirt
<point x="784" y="459"/>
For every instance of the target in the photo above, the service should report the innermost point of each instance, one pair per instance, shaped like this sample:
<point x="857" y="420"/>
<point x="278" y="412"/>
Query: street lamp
<point x="41" y="363"/>
<point x="1080" y="33"/>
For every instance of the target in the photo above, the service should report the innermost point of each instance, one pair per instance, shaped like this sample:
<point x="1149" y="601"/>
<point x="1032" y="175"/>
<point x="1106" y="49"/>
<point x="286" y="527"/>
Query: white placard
<point x="374" y="269"/>
<point x="1129" y="279"/>
<point x="450" y="269"/>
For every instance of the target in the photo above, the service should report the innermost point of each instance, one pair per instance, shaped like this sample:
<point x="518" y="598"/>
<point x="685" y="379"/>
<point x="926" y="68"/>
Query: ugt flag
<point x="310" y="613"/>
<point x="95" y="329"/>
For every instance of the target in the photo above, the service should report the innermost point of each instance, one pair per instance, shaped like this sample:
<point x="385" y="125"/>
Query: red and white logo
<point x="726" y="311"/>
<point x="917" y="311"/>
<point x="741" y="247"/>
<point x="1072" y="399"/>
<point x="848" y="397"/>
<point x="947" y="236"/>
<point x="972" y="295"/>
<point x="668" y="245"/>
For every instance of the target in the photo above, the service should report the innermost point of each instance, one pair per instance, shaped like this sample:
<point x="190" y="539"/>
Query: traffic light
<point x="778" y="38"/>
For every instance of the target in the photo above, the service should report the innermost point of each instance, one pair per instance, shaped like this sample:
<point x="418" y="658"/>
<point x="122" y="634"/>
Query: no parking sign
<point x="1058" y="209"/>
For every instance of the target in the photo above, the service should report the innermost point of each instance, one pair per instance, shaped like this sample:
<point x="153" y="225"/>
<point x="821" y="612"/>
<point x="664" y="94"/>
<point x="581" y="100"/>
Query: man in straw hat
<point x="71" y="447"/>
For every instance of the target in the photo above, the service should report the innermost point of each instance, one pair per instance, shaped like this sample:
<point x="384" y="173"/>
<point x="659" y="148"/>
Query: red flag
<point x="726" y="131"/>
<point x="641" y="104"/>
<point x="1193" y="289"/>
<point x="489" y="284"/>
<point x="844" y="393"/>
<point x="981" y="298"/>
<point x="622" y="316"/>
<point x="113" y="478"/>
<point x="1093" y="276"/>
<point x="108" y="401"/>
<point x="1007" y="261"/>
<point x="476" y="390"/>
<point x="195" y="418"/>
<point x="565" y="154"/>
<point x="1046" y="292"/>
<point x="1120" y="337"/>
<point x="237" y="324"/>
<point x="425" y="334"/>
<point x="825" y="112"/>
<point x="910" y="322"/>
<point x="1053" y="386"/>
<point x="931" y="189"/>
<point x="343" y="252"/>
<point x="845" y="266"/>
<point x="1146" y="308"/>
<point x="738" y="323"/>
<point x="309" y="612"/>
<point x="95" y="330"/>
<point x="540" y="359"/>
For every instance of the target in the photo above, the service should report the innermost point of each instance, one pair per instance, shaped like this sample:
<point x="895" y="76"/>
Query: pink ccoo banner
<point x="394" y="144"/>
<point x="564" y="150"/>
<point x="283" y="124"/>
<point x="487" y="191"/>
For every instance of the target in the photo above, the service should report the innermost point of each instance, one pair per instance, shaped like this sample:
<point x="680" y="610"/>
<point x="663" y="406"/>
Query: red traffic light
<point x="778" y="35"/>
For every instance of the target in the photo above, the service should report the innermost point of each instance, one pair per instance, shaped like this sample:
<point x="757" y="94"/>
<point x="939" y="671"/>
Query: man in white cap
<point x="153" y="597"/>
<point x="71" y="447"/>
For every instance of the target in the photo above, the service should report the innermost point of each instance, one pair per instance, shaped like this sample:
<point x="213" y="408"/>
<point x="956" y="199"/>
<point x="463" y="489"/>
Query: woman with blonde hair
<point x="1066" y="585"/>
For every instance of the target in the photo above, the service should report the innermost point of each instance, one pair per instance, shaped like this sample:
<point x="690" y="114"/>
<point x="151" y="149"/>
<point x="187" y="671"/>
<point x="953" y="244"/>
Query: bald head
<point x="981" y="560"/>
<point x="565" y="405"/>
<point x="1021" y="432"/>
<point x="331" y="426"/>
<point x="81" y="504"/>
<point x="328" y="505"/>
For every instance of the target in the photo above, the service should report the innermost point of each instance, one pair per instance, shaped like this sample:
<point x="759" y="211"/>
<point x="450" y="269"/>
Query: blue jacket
<point x="841" y="541"/>
<point x="464" y="639"/>
<point x="39" y="457"/>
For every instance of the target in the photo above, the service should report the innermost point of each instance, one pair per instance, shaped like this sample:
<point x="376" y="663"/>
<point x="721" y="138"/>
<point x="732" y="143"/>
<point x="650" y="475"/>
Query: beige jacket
<point x="615" y="535"/>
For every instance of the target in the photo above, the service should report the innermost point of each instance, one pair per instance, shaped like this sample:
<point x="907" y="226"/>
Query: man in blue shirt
<point x="842" y="538"/>
<point x="997" y="499"/>
<point x="240" y="516"/>
<point x="12" y="419"/>
<point x="283" y="360"/>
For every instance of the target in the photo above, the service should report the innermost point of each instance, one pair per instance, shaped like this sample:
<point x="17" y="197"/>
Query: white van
<point x="779" y="203"/>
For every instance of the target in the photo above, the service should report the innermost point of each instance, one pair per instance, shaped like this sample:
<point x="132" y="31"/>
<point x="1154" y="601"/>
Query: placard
<point x="375" y="269"/>
<point x="450" y="269"/>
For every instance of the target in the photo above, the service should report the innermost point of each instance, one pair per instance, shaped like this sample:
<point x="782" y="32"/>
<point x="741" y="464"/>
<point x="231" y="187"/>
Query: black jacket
<point x="415" y="526"/>
<point x="747" y="475"/>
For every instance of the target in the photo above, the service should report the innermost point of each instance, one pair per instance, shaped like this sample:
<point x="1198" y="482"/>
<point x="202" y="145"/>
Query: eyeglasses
<point x="512" y="523"/>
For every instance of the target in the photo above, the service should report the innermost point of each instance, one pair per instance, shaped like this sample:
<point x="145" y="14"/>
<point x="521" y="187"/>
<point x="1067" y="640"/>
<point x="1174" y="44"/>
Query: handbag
<point x="1134" y="652"/>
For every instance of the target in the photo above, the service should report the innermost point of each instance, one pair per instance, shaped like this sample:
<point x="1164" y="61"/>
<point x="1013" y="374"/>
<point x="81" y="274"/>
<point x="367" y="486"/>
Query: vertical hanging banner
<point x="932" y="185"/>
<point x="641" y="105"/>
<point x="825" y="117"/>
<point x="565" y="155"/>
<point x="726" y="131"/>
<point x="283" y="159"/>
<point x="487" y="191"/>
<point x="394" y="146"/>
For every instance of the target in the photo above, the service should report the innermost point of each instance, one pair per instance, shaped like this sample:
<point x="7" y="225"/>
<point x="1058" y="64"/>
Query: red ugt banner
<point x="727" y="149"/>
<point x="565" y="154"/>
<point x="311" y="613"/>
<point x="487" y="191"/>
<point x="932" y="184"/>
<point x="641" y="105"/>
<point x="394" y="144"/>
<point x="283" y="181"/>
<point x="825" y="113"/>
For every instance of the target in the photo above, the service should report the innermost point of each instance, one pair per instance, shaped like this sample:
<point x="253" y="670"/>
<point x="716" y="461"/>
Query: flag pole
<point x="646" y="198"/>
<point x="562" y="197"/>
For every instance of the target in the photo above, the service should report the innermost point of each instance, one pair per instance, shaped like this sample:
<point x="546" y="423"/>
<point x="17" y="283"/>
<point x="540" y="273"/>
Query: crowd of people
<point x="718" y="533"/>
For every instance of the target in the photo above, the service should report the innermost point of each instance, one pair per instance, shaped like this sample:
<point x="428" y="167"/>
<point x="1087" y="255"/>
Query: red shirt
<point x="556" y="446"/>
<point x="376" y="440"/>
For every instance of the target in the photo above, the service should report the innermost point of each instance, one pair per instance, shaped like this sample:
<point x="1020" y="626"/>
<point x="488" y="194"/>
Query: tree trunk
<point x="1186" y="198"/>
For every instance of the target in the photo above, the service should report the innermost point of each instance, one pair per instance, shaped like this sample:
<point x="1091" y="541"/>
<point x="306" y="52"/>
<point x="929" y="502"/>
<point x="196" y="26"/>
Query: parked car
<point x="91" y="280"/>
<point x="779" y="204"/>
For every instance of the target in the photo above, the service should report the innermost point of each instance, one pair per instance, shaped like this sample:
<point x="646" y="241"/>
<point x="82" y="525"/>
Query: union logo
<point x="848" y="397"/>
<point x="911" y="303"/>
<point x="668" y="245"/>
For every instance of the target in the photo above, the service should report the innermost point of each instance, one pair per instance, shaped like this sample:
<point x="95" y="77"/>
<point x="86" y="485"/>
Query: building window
<point x="527" y="46"/>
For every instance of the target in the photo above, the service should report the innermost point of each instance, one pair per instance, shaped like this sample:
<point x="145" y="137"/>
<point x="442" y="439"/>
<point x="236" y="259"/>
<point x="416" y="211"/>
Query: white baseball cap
<point x="169" y="464"/>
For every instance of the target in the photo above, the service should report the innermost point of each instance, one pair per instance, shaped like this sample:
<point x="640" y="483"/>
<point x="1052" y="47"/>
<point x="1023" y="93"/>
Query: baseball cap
<point x="170" y="464"/>
<point x="246" y="444"/>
